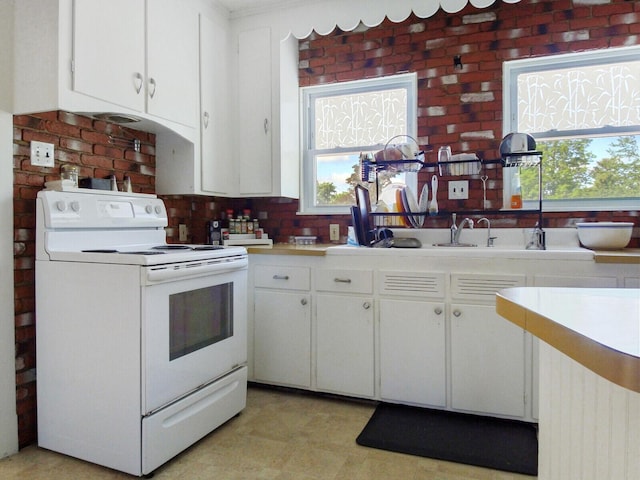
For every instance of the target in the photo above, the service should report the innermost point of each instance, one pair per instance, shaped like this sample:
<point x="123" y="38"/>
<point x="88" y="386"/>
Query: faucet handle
<point x="453" y="218"/>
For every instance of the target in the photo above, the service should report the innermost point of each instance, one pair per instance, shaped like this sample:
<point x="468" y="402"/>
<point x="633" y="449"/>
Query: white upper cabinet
<point x="172" y="61"/>
<point x="267" y="160"/>
<point x="214" y="108"/>
<point x="254" y="110"/>
<point x="154" y="70"/>
<point x="110" y="65"/>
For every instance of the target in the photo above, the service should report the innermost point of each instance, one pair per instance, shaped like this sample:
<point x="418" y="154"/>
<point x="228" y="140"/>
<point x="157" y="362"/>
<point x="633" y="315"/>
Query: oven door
<point x="194" y="330"/>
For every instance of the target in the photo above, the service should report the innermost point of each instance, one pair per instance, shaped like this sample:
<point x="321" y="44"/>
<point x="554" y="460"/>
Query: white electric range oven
<point x="141" y="345"/>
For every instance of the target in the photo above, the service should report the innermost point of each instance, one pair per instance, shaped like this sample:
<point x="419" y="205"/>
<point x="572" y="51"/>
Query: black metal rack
<point x="370" y="169"/>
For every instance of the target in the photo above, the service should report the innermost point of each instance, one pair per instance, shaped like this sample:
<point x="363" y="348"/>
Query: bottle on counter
<point x="114" y="182"/>
<point x="516" y="191"/>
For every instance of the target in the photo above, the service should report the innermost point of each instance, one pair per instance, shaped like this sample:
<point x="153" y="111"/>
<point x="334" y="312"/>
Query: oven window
<point x="199" y="318"/>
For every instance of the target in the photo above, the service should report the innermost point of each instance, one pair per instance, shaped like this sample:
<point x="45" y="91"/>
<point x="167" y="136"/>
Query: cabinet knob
<point x="437" y="310"/>
<point x="152" y="89"/>
<point x="137" y="82"/>
<point x="366" y="305"/>
<point x="304" y="301"/>
<point x="266" y="126"/>
<point x="205" y="119"/>
<point x="457" y="313"/>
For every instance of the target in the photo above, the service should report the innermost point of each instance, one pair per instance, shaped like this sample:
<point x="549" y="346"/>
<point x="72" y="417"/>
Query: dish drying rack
<point x="463" y="164"/>
<point x="371" y="165"/>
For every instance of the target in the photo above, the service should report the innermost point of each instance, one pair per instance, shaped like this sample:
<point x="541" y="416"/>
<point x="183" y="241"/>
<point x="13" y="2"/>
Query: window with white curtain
<point x="340" y="122"/>
<point x="583" y="109"/>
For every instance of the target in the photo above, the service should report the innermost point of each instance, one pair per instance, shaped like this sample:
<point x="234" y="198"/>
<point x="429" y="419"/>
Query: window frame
<point x="309" y="94"/>
<point x="511" y="70"/>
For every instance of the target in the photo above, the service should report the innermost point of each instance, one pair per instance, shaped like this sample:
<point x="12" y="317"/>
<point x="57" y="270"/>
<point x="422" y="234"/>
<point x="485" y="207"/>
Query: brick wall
<point x="462" y="107"/>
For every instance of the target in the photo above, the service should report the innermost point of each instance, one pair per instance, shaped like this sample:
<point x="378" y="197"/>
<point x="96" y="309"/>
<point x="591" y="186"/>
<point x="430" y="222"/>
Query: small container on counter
<point x="126" y="184"/>
<point x="70" y="172"/>
<point x="214" y="232"/>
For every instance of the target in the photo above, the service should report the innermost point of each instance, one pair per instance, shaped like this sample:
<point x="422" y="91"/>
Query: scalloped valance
<point x="300" y="18"/>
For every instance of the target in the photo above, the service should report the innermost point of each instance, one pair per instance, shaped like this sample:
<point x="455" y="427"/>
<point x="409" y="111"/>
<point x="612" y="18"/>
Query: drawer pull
<point x="437" y="310"/>
<point x="303" y="301"/>
<point x="366" y="305"/>
<point x="281" y="277"/>
<point x="457" y="313"/>
<point x="342" y="280"/>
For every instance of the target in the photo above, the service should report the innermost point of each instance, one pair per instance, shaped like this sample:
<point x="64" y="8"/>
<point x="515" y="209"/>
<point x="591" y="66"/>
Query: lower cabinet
<point x="487" y="362"/>
<point x="282" y="332"/>
<point x="282" y="326"/>
<point x="413" y="352"/>
<point x="344" y="345"/>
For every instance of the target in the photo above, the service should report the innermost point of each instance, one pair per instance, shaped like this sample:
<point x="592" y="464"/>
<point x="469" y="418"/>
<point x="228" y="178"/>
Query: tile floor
<point x="279" y="436"/>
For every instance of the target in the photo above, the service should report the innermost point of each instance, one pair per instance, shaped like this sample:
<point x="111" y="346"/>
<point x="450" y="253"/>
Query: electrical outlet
<point x="459" y="190"/>
<point x="42" y="154"/>
<point x="334" y="232"/>
<point x="182" y="232"/>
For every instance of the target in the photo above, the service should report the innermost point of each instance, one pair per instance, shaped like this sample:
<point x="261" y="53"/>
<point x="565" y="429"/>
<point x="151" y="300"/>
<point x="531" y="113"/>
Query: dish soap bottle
<point x="516" y="190"/>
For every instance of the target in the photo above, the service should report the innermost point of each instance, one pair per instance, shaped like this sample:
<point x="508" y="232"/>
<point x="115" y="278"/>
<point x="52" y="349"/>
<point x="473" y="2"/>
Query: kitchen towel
<point x="489" y="442"/>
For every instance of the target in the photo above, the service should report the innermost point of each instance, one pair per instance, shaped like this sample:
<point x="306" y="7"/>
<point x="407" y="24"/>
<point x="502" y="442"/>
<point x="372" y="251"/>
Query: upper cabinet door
<point x="109" y="51"/>
<point x="172" y="61"/>
<point x="153" y="71"/>
<point x="214" y="114"/>
<point x="254" y="111"/>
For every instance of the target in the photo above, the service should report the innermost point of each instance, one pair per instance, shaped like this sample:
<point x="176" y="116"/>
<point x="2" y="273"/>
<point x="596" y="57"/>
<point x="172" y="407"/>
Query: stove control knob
<point x="148" y="209"/>
<point x="61" y="205"/>
<point x="158" y="209"/>
<point x="75" y="206"/>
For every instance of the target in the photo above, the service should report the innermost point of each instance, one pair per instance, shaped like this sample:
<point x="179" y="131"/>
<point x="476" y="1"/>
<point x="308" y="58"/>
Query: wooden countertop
<point x="317" y="250"/>
<point x="597" y="327"/>
<point x="626" y="255"/>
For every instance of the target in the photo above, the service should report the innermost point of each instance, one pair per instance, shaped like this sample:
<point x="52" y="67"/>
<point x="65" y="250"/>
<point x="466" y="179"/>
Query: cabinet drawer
<point x="285" y="278"/>
<point x="347" y="281"/>
<point x="412" y="284"/>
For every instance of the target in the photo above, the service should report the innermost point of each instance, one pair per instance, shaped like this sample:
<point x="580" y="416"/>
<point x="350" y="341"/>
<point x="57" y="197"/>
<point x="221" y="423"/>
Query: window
<point x="583" y="109"/>
<point x="340" y="122"/>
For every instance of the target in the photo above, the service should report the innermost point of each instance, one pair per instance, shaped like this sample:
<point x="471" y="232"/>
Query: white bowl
<point x="605" y="235"/>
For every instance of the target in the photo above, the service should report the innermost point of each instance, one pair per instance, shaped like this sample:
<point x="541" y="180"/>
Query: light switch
<point x="42" y="154"/>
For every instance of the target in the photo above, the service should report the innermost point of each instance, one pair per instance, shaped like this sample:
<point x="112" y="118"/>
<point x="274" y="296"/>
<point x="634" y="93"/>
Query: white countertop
<point x="597" y="327"/>
<point x="562" y="243"/>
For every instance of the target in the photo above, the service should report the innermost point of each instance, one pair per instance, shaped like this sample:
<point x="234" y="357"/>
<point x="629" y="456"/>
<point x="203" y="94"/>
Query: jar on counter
<point x="70" y="172"/>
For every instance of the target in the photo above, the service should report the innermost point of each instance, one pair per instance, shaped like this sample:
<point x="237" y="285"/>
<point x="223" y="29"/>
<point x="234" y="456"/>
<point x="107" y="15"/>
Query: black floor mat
<point x="506" y="445"/>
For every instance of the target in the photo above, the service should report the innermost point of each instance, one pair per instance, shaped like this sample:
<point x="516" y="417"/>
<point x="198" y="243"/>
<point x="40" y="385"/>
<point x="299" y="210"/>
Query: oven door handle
<point x="160" y="273"/>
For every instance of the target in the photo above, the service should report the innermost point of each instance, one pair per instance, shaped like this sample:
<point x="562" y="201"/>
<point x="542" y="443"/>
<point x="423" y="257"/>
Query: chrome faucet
<point x="457" y="230"/>
<point x="490" y="239"/>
